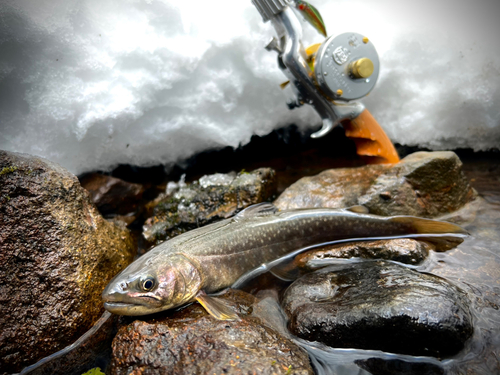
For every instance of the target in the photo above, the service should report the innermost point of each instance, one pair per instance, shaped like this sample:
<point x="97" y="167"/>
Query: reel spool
<point x="346" y="67"/>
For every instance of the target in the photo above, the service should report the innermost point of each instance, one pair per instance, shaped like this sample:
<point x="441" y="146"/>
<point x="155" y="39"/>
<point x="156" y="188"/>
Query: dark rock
<point x="427" y="184"/>
<point x="57" y="254"/>
<point x="404" y="250"/>
<point x="334" y="188"/>
<point x="190" y="341"/>
<point x="379" y="305"/>
<point x="112" y="195"/>
<point x="210" y="199"/>
<point x="379" y="366"/>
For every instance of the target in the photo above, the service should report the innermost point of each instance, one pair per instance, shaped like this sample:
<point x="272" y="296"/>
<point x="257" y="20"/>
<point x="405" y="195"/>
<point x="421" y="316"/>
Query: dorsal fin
<point x="359" y="209"/>
<point x="259" y="209"/>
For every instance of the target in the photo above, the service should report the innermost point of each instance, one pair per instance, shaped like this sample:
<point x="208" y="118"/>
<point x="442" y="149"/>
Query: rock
<point x="379" y="305"/>
<point x="379" y="366"/>
<point x="57" y="254"/>
<point x="334" y="188"/>
<point x="427" y="184"/>
<point x="190" y="341"/>
<point x="212" y="198"/>
<point x="113" y="196"/>
<point x="404" y="250"/>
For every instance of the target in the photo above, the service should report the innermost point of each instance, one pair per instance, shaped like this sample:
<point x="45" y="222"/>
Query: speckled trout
<point x="208" y="259"/>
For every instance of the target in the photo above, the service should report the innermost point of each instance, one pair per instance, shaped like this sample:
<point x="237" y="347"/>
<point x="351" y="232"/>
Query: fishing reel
<point x="329" y="75"/>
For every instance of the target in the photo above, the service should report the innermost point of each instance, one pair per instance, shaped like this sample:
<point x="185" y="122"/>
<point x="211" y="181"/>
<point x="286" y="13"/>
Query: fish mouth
<point x="130" y="309"/>
<point x="121" y="304"/>
<point x="117" y="306"/>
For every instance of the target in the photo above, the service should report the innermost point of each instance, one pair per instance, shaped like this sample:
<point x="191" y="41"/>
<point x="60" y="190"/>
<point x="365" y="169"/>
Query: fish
<point x="311" y="15"/>
<point x="200" y="262"/>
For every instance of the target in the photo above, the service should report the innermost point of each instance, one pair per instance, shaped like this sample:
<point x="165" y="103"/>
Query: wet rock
<point x="212" y="198"/>
<point x="334" y="188"/>
<point x="379" y="366"/>
<point x="427" y="184"/>
<point x="190" y="341"/>
<point x="113" y="196"/>
<point x="379" y="305"/>
<point x="404" y="250"/>
<point x="57" y="254"/>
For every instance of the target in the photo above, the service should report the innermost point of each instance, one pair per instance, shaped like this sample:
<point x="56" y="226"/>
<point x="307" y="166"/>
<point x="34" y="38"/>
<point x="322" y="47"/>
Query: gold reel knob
<point x="362" y="68"/>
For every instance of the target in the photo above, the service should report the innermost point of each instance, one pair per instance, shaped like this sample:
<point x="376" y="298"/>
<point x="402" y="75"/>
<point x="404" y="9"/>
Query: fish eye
<point x="148" y="283"/>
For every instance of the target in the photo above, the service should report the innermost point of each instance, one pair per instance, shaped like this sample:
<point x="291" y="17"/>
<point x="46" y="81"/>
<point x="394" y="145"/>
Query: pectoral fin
<point x="358" y="209"/>
<point x="259" y="209"/>
<point x="216" y="308"/>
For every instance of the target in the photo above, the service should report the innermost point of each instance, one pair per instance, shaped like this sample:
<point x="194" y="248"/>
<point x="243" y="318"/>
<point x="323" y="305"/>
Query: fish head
<point x="151" y="284"/>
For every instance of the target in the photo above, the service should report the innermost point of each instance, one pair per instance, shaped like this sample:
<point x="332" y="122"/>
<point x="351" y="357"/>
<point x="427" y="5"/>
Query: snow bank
<point x="94" y="83"/>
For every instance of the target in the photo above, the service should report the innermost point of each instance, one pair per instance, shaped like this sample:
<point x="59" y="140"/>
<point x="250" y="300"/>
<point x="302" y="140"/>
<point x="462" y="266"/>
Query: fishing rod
<point x="329" y="76"/>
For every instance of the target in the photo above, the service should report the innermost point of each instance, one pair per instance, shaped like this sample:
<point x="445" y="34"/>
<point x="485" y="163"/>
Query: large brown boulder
<point x="57" y="254"/>
<point x="428" y="184"/>
<point x="333" y="188"/>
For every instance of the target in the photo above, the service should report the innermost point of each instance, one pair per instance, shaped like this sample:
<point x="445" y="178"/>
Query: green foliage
<point x="94" y="371"/>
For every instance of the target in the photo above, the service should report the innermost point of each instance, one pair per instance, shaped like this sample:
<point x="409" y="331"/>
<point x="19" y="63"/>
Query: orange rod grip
<point x="370" y="138"/>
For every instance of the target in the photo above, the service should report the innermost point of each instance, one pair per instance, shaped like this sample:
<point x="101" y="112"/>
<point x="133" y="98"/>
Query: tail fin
<point x="443" y="235"/>
<point x="428" y="226"/>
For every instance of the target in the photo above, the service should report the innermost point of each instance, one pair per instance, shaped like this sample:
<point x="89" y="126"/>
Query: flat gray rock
<point x="212" y="198"/>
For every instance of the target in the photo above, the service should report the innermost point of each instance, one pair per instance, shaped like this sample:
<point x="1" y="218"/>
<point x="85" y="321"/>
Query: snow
<point x="91" y="84"/>
<point x="217" y="179"/>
